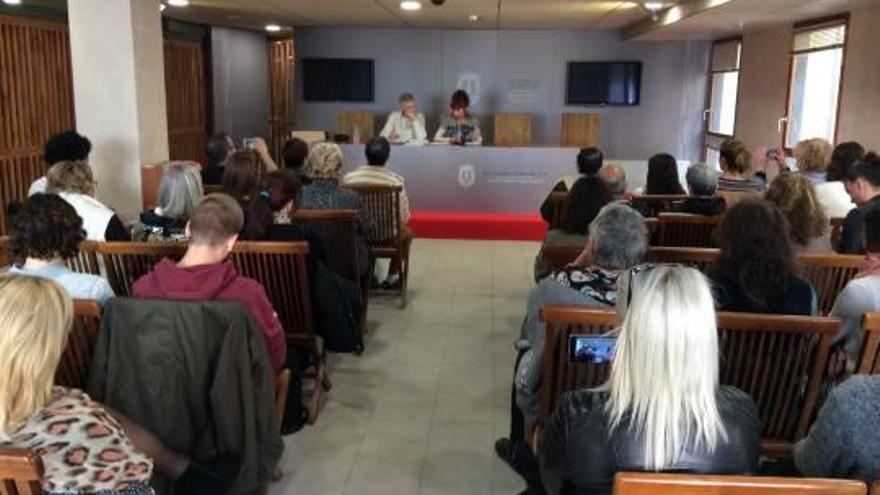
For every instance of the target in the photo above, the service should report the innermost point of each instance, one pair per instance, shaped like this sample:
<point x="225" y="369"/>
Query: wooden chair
<point x="513" y="129"/>
<point x="364" y="120"/>
<point x="212" y="189"/>
<point x="559" y="200"/>
<point x="20" y="472"/>
<point x="700" y="258"/>
<point x="687" y="230"/>
<point x="73" y="369"/>
<point x="659" y="202"/>
<point x="85" y="262"/>
<point x="557" y="257"/>
<point x="580" y="130"/>
<point x="829" y="273"/>
<point x="778" y="360"/>
<point x="126" y="262"/>
<point x="875" y="488"/>
<point x="338" y="231"/>
<point x="836" y="232"/>
<point x="696" y="484"/>
<point x="388" y="239"/>
<point x="869" y="364"/>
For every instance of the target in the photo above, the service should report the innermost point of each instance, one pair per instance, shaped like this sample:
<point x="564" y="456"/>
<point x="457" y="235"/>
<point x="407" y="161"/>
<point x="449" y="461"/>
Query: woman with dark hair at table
<point x="459" y="127"/>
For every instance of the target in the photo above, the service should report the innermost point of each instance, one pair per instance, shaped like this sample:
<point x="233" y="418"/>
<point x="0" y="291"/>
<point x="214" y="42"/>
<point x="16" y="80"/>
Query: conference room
<point x="440" y="247"/>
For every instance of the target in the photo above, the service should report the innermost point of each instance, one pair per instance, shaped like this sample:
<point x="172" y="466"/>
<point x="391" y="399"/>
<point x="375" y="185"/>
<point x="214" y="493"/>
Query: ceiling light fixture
<point x="162" y="7"/>
<point x="653" y="5"/>
<point x="12" y="2"/>
<point x="273" y="28"/>
<point x="474" y="18"/>
<point x="178" y="3"/>
<point x="410" y="5"/>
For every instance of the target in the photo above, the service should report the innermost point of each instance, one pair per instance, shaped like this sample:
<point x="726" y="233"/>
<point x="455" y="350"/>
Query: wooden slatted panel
<point x="686" y="230"/>
<point x="20" y="472"/>
<point x="36" y="100"/>
<point x="126" y="262"/>
<point x="186" y="99"/>
<point x="383" y="206"/>
<point x="580" y="130"/>
<point x="829" y="273"/>
<point x="869" y="364"/>
<point x="513" y="129"/>
<point x="695" y="484"/>
<point x="73" y="369"/>
<point x="281" y="102"/>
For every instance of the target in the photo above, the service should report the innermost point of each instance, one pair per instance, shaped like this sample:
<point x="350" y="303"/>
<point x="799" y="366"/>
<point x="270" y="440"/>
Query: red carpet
<point x="484" y="226"/>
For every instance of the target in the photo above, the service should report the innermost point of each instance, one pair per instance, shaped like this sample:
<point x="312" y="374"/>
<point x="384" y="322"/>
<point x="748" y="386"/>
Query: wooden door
<point x="281" y="74"/>
<point x="186" y="97"/>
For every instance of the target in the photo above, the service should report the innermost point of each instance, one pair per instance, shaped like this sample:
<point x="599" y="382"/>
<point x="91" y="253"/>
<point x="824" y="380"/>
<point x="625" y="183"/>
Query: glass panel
<point x="815" y="91"/>
<point x="713" y="158"/>
<point x="726" y="56"/>
<point x="723" y="105"/>
<point x="820" y="38"/>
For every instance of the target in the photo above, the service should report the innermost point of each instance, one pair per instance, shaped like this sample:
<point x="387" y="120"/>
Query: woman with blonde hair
<point x="85" y="447"/>
<point x="812" y="157"/>
<point x="795" y="196"/>
<point x="75" y="183"/>
<point x="738" y="179"/>
<point x="662" y="408"/>
<point x="179" y="191"/>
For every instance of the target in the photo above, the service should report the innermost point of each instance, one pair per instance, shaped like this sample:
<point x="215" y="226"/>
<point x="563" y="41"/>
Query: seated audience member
<point x="663" y="175"/>
<point x="407" y="125"/>
<point x="179" y="192"/>
<point x="662" y="409"/>
<point x="737" y="180"/>
<point x="756" y="271"/>
<point x="204" y="273"/>
<point x="242" y="176"/>
<point x="863" y="185"/>
<point x="45" y="231"/>
<point x="588" y="195"/>
<point x="271" y="214"/>
<point x="701" y="184"/>
<point x="843" y="441"/>
<point x="66" y="146"/>
<point x="295" y="153"/>
<point x="115" y="456"/>
<point x="375" y="173"/>
<point x="74" y="182"/>
<point x="589" y="162"/>
<point x="832" y="193"/>
<point x="618" y="240"/>
<point x="795" y="196"/>
<point x="220" y="146"/>
<point x="459" y="127"/>
<point x="812" y="157"/>
<point x="615" y="178"/>
<point x="862" y="294"/>
<point x="325" y="163"/>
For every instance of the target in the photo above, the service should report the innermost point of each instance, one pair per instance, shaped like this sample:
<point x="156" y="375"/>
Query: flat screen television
<point x="603" y="83"/>
<point x="338" y="79"/>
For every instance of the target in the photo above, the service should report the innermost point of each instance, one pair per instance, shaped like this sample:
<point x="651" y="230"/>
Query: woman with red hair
<point x="459" y="127"/>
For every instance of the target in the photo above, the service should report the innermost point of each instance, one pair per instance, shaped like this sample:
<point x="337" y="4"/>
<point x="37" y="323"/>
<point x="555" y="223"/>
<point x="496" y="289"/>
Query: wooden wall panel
<point x="36" y="100"/>
<point x="186" y="95"/>
<point x="281" y="76"/>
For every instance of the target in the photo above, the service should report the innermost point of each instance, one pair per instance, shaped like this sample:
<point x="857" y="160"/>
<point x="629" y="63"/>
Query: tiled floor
<point x="419" y="411"/>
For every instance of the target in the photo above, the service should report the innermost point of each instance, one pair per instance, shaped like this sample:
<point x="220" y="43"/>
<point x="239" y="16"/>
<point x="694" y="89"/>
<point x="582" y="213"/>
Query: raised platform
<point x="482" y="226"/>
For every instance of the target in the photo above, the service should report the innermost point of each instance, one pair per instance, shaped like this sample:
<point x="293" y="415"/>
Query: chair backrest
<point x="700" y="258"/>
<point x="695" y="484"/>
<point x="126" y="262"/>
<point x="659" y="202"/>
<point x="869" y="364"/>
<point x="338" y="231"/>
<point x="687" y="230"/>
<point x="836" y="232"/>
<point x="281" y="268"/>
<point x="85" y="262"/>
<point x="20" y="472"/>
<point x="580" y="130"/>
<point x="513" y="129"/>
<point x="383" y="206"/>
<point x="73" y="369"/>
<point x="556" y="257"/>
<point x="361" y="119"/>
<point x="829" y="273"/>
<point x="778" y="360"/>
<point x="559" y="374"/>
<point x="559" y="201"/>
<point x="212" y="189"/>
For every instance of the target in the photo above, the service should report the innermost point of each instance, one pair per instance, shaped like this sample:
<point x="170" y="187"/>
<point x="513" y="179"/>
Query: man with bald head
<point x="615" y="178"/>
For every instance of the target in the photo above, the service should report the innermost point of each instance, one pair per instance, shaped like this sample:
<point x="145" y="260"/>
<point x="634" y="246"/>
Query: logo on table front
<point x="467" y="176"/>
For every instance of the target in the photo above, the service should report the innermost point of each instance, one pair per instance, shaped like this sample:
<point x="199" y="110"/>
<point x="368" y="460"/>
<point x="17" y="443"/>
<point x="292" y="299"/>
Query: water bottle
<point x="356" y="134"/>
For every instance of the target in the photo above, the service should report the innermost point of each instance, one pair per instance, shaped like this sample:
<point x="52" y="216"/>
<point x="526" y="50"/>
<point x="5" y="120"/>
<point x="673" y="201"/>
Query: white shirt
<point x="407" y="130"/>
<point x="38" y="186"/>
<point x="94" y="214"/>
<point x="834" y="199"/>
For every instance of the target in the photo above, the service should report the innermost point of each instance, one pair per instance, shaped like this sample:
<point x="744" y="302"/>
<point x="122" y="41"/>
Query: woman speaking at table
<point x="459" y="127"/>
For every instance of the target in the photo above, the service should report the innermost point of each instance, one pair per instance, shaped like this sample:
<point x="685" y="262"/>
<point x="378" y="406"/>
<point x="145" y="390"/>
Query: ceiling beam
<point x="670" y="16"/>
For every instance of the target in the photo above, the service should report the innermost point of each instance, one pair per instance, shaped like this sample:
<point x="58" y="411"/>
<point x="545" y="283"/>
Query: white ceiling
<point x="503" y="14"/>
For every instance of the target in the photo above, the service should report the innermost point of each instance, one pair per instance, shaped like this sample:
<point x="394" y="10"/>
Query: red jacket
<point x="217" y="282"/>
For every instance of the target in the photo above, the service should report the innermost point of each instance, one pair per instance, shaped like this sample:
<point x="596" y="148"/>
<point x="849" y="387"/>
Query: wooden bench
<point x="73" y="369"/>
<point x="869" y="364"/>
<point x="20" y="472"/>
<point x="778" y="360"/>
<point x="687" y="230"/>
<point x="695" y="484"/>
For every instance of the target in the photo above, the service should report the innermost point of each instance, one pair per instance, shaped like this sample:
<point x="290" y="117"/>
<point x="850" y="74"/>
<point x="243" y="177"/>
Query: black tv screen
<point x="338" y="79"/>
<point x="603" y="83"/>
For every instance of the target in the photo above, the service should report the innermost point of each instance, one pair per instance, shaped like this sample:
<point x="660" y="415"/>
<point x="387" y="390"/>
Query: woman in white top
<point x="74" y="182"/>
<point x="832" y="194"/>
<point x="406" y="126"/>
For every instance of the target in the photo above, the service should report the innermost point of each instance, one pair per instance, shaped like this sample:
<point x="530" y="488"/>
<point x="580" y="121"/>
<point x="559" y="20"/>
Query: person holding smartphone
<point x="407" y="125"/>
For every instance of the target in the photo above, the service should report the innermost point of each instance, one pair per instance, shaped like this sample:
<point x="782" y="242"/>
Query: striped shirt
<point x="741" y="185"/>
<point x="373" y="175"/>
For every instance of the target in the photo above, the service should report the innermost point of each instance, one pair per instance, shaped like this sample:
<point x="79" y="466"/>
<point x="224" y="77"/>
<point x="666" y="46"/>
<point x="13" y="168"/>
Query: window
<point x="721" y="114"/>
<point x="814" y="91"/>
<point x="713" y="158"/>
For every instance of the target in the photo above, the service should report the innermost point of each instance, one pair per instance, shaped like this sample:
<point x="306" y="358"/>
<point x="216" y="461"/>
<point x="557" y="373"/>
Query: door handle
<point x="780" y="124"/>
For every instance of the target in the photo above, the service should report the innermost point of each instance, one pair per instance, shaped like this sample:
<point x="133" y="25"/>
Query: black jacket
<point x="579" y="455"/>
<point x="197" y="375"/>
<point x="853" y="224"/>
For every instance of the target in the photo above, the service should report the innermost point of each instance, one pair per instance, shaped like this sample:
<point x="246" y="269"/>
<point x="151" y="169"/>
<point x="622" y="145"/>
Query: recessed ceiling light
<point x="474" y="18"/>
<point x="178" y="3"/>
<point x="12" y="2"/>
<point x="653" y="5"/>
<point x="161" y="7"/>
<point x="410" y="5"/>
<point x="273" y="28"/>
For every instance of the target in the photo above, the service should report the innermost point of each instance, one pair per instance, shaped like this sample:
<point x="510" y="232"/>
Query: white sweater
<point x="834" y="199"/>
<point x="94" y="214"/>
<point x="406" y="130"/>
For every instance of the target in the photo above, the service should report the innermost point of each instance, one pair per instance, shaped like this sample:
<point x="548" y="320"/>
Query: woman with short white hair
<point x="179" y="191"/>
<point x="407" y="125"/>
<point x="662" y="409"/>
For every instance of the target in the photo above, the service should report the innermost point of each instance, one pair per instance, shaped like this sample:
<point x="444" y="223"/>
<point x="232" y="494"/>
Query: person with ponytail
<point x="738" y="180"/>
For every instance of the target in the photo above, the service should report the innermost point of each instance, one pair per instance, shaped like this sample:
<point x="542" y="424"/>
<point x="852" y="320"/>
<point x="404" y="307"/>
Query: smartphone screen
<point x="248" y="143"/>
<point x="591" y="349"/>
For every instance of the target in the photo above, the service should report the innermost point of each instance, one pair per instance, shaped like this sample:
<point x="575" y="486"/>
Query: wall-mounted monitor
<point x="603" y="83"/>
<point x="338" y="79"/>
